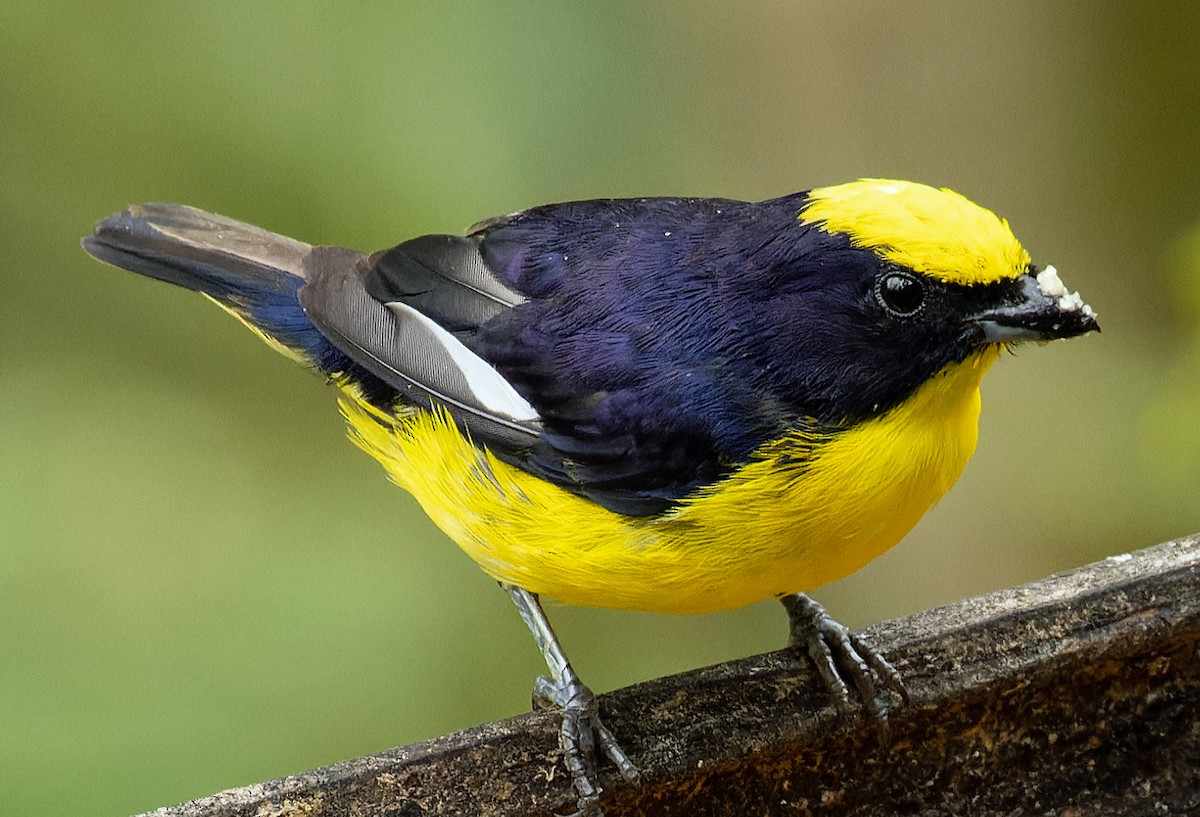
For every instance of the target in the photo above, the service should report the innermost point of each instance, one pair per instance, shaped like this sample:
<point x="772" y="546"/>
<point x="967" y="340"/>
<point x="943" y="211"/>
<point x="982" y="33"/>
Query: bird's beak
<point x="1038" y="308"/>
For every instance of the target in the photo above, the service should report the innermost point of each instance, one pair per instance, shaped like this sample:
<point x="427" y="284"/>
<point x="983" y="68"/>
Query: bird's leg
<point x="839" y="653"/>
<point x="582" y="728"/>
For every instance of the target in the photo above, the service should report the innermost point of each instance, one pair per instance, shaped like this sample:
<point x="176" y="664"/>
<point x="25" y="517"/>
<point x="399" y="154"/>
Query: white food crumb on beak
<point x="1052" y="287"/>
<point x="1050" y="284"/>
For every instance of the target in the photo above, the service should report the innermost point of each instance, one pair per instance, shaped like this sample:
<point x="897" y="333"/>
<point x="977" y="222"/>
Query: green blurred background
<point x="203" y="585"/>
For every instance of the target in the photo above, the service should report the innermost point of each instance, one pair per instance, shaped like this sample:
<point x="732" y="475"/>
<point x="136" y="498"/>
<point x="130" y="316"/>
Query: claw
<point x="841" y="655"/>
<point x="613" y="751"/>
<point x="582" y="729"/>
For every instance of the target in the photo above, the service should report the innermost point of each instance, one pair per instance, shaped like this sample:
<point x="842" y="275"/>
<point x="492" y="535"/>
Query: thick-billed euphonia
<point x="664" y="404"/>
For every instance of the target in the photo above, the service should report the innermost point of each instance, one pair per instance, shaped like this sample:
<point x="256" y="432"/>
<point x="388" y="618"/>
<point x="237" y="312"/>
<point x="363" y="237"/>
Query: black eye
<point x="900" y="292"/>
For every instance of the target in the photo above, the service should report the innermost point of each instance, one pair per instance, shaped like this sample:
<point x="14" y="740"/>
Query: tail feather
<point x="202" y="251"/>
<point x="250" y="272"/>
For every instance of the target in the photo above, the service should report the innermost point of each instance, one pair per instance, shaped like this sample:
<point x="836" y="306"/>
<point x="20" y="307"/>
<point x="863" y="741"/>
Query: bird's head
<point x="901" y="281"/>
<point x="937" y="241"/>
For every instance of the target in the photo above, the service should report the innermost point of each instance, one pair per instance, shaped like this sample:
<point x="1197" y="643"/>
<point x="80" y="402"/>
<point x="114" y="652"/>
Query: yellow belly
<point x="766" y="530"/>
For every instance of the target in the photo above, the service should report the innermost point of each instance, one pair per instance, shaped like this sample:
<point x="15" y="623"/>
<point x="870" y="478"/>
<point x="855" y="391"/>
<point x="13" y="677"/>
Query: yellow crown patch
<point x="932" y="231"/>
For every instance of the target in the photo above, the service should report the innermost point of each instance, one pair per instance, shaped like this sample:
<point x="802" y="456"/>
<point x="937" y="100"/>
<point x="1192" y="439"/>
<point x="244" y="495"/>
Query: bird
<point x="673" y="405"/>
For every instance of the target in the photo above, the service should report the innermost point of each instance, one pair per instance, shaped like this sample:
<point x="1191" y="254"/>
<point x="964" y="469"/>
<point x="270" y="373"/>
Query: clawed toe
<point x="841" y="656"/>
<point x="582" y="730"/>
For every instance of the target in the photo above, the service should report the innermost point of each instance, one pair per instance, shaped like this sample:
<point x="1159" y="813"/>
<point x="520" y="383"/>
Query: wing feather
<point x="413" y="354"/>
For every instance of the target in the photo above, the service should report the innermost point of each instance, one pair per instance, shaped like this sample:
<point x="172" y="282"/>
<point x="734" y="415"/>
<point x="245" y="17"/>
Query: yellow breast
<point x="775" y="526"/>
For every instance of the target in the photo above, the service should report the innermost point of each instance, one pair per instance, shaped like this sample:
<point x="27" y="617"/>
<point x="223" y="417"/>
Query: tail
<point x="252" y="273"/>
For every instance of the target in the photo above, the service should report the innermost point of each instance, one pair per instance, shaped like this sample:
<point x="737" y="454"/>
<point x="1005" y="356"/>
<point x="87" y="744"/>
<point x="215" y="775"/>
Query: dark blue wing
<point x="618" y="324"/>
